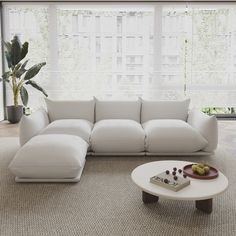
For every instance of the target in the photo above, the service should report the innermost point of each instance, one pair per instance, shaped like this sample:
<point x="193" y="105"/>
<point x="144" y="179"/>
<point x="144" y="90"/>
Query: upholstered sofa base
<point x="25" y="180"/>
<point x="99" y="154"/>
<point x="65" y="180"/>
<point x="200" y="153"/>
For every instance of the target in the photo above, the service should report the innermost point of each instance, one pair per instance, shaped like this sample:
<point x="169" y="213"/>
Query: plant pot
<point x="14" y="113"/>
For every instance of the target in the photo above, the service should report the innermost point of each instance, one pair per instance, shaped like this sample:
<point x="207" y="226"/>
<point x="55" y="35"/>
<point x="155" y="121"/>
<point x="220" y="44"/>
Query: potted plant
<point x="18" y="77"/>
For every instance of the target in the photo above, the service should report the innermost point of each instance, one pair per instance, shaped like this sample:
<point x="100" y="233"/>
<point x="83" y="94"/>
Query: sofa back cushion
<point x="118" y="110"/>
<point x="152" y="110"/>
<point x="77" y="109"/>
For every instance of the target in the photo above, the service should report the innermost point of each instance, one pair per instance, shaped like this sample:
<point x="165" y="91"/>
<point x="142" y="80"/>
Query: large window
<point x="158" y="51"/>
<point x="104" y="51"/>
<point x="30" y="23"/>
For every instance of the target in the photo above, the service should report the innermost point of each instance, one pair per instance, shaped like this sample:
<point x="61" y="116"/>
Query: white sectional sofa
<point x="55" y="142"/>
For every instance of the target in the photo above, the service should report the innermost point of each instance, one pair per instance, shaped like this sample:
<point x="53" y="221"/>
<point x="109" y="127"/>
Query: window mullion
<point x="53" y="45"/>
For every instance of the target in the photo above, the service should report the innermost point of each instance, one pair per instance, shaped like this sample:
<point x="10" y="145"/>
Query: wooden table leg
<point x="204" y="205"/>
<point x="149" y="198"/>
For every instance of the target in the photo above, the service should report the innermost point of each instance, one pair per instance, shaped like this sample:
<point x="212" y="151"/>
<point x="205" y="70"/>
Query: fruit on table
<point x="200" y="169"/>
<point x="207" y="169"/>
<point x="201" y="165"/>
<point x="194" y="168"/>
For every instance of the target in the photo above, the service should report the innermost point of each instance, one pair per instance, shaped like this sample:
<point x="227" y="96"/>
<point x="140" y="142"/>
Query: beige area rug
<point x="106" y="202"/>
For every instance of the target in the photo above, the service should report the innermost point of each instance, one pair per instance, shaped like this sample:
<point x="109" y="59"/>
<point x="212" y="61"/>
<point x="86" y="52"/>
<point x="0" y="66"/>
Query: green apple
<point x="200" y="171"/>
<point x="194" y="168"/>
<point x="206" y="169"/>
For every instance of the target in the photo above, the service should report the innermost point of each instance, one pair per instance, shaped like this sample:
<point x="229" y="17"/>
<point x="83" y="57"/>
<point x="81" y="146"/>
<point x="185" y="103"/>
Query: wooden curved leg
<point x="149" y="198"/>
<point x="204" y="205"/>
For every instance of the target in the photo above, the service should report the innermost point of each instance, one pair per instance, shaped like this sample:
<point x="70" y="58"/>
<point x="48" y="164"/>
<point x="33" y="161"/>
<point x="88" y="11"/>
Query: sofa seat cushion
<point x="172" y="136"/>
<point x="50" y="156"/>
<point x="117" y="136"/>
<point x="77" y="127"/>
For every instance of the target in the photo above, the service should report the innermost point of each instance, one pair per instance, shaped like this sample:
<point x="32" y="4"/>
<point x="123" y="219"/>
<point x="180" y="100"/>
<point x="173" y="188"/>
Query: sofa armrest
<point x="32" y="125"/>
<point x="207" y="126"/>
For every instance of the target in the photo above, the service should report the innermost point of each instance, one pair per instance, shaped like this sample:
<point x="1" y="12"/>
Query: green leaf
<point x="34" y="70"/>
<point x="35" y="85"/>
<point x="24" y="96"/>
<point x="6" y="76"/>
<point x="22" y="70"/>
<point x="24" y="64"/>
<point x="8" y="53"/>
<point x="17" y="67"/>
<point x="8" y="57"/>
<point x="24" y="50"/>
<point x="15" y="50"/>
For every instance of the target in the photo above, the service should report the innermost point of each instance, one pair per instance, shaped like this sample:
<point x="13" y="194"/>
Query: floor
<point x="106" y="202"/>
<point x="8" y="130"/>
<point x="227" y="133"/>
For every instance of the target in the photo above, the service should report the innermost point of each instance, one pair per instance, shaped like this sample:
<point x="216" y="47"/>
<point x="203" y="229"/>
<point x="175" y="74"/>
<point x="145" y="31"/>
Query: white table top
<point x="197" y="190"/>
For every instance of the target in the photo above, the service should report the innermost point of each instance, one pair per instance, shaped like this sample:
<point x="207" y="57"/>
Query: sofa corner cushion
<point x="152" y="110"/>
<point x="50" y="156"/>
<point x="117" y="136"/>
<point x="32" y="125"/>
<point x="172" y="136"/>
<point x="77" y="109"/>
<point x="118" y="110"/>
<point x="77" y="127"/>
<point x="207" y="126"/>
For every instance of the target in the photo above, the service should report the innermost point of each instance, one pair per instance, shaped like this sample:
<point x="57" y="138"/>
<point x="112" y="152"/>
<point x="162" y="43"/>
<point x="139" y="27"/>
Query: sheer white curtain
<point x="104" y="51"/>
<point x="212" y="78"/>
<point x="158" y="51"/>
<point x="30" y="23"/>
<point x="199" y="54"/>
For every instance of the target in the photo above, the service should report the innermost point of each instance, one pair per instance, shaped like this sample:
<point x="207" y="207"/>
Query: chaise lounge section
<point x="50" y="158"/>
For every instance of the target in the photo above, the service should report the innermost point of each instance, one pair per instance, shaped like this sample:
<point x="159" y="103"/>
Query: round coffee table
<point x="201" y="191"/>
